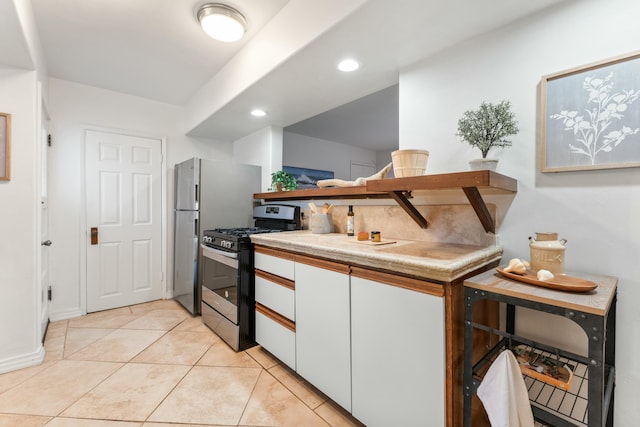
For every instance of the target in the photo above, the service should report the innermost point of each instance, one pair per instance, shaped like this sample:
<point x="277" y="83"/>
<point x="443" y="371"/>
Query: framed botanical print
<point x="589" y="117"/>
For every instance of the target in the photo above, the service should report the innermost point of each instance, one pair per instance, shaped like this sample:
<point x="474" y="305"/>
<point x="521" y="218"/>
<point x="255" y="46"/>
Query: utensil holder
<point x="320" y="223"/>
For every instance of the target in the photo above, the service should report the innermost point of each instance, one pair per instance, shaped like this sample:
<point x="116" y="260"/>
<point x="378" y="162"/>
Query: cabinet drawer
<point x="277" y="296"/>
<point x="275" y="265"/>
<point x="276" y="339"/>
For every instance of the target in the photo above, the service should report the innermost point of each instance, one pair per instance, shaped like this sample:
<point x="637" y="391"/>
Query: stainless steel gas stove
<point x="227" y="274"/>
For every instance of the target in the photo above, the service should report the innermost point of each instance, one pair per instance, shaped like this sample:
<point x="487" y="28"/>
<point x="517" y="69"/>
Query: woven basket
<point x="409" y="162"/>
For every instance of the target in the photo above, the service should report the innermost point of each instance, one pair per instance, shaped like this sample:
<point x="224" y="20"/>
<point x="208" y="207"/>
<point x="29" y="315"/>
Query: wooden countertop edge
<point x="323" y="263"/>
<point x="418" y="285"/>
<point x="312" y="257"/>
<point x="275" y="252"/>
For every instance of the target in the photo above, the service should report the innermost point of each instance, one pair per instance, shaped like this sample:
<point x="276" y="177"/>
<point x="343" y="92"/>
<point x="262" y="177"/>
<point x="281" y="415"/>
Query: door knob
<point x="46" y="243"/>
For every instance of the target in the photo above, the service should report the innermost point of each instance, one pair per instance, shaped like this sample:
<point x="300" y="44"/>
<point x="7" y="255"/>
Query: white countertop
<point x="427" y="260"/>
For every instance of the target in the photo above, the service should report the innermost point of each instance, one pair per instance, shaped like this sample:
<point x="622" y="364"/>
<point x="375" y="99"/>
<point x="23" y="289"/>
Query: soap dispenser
<point x="350" y="221"/>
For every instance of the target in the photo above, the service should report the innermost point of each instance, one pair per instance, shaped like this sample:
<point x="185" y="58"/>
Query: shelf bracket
<point x="401" y="199"/>
<point x="473" y="194"/>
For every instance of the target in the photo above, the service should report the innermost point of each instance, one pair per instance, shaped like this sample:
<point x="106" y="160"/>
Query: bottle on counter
<point x="350" y="220"/>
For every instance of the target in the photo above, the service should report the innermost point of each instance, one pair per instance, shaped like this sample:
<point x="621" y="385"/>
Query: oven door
<point x="220" y="281"/>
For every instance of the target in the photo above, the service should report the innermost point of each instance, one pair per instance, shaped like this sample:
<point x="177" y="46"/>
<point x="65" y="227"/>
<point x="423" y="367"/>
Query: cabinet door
<point x="398" y="355"/>
<point x="322" y="331"/>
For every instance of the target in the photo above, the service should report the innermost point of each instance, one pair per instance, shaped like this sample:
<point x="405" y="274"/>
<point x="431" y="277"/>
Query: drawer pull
<point x="276" y="317"/>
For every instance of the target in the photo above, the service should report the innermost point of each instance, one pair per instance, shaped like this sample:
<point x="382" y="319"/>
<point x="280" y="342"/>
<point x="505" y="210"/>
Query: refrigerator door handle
<point x="195" y="197"/>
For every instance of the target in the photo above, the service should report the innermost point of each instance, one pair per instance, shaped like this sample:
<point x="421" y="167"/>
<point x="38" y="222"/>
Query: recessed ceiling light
<point x="221" y="22"/>
<point x="348" y="65"/>
<point x="258" y="113"/>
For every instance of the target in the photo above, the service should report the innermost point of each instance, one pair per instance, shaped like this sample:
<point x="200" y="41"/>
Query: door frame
<point x="360" y="163"/>
<point x="43" y="119"/>
<point x="84" y="231"/>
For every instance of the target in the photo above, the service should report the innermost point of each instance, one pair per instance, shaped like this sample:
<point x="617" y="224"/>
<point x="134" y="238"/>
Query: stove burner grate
<point x="239" y="232"/>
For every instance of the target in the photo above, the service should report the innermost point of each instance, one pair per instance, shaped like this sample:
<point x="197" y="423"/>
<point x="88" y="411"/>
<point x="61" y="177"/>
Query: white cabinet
<point x="275" y="304"/>
<point x="398" y="355"/>
<point x="373" y="342"/>
<point x="323" y="338"/>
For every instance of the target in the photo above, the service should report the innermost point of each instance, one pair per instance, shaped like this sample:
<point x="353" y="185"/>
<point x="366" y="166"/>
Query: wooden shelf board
<point x="480" y="179"/>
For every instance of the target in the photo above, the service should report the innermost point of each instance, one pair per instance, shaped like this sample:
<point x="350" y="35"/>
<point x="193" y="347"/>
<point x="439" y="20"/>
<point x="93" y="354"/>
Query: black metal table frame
<point x="600" y="359"/>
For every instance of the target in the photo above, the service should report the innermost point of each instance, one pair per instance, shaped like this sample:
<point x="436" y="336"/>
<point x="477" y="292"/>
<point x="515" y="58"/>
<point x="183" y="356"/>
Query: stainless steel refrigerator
<point x="208" y="194"/>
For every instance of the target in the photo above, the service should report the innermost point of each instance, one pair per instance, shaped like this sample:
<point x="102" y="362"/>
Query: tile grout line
<point x="253" y="389"/>
<point x="177" y="382"/>
<point x="123" y="364"/>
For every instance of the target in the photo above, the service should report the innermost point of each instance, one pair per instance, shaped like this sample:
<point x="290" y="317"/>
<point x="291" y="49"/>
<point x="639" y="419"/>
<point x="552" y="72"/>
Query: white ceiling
<point x="150" y="48"/>
<point x="155" y="49"/>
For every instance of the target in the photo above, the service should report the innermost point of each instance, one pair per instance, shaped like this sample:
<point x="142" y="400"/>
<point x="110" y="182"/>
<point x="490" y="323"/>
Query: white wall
<point x="74" y="107"/>
<point x="382" y="159"/>
<point x="597" y="211"/>
<point x="307" y="152"/>
<point x="20" y="329"/>
<point x="19" y="244"/>
<point x="262" y="148"/>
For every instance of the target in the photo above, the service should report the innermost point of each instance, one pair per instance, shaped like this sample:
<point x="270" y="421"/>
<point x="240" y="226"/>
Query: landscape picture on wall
<point x="590" y="117"/>
<point x="307" y="178"/>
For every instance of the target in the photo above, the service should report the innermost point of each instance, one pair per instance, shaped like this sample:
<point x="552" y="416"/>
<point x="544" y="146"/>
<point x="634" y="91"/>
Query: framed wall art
<point x="589" y="117"/>
<point x="307" y="178"/>
<point x="5" y="146"/>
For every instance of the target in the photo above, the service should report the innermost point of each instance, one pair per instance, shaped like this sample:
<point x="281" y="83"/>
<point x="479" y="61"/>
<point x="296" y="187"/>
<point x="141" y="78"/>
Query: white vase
<point x="483" y="164"/>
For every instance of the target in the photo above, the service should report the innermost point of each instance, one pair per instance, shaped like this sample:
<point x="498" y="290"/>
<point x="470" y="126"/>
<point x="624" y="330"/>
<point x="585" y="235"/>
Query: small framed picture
<point x="589" y="117"/>
<point x="5" y="146"/>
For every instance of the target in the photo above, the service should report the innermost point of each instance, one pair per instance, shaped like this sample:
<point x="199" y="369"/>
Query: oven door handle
<point x="226" y="258"/>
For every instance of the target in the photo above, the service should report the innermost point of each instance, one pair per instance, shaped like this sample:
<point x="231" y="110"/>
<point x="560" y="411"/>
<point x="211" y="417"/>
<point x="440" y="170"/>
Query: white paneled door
<point x="45" y="243"/>
<point x="123" y="185"/>
<point x="363" y="170"/>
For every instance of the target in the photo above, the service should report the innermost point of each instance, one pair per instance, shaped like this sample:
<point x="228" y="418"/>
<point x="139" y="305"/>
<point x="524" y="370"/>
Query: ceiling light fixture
<point x="258" y="113"/>
<point x="222" y="22"/>
<point x="348" y="65"/>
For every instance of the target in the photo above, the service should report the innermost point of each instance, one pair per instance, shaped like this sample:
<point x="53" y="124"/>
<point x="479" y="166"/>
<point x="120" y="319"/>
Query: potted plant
<point x="486" y="128"/>
<point x="281" y="180"/>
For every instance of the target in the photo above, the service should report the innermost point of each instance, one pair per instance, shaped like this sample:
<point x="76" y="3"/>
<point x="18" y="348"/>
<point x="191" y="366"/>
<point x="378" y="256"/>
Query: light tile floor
<point x="154" y="365"/>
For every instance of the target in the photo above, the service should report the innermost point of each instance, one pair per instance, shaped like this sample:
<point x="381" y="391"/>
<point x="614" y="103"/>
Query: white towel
<point x="504" y="393"/>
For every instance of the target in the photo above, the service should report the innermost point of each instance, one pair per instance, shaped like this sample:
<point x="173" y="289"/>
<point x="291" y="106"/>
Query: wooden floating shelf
<point x="471" y="183"/>
<point x="446" y="181"/>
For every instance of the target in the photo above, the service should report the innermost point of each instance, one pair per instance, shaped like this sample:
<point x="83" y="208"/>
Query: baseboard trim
<point x="22" y="361"/>
<point x="64" y="315"/>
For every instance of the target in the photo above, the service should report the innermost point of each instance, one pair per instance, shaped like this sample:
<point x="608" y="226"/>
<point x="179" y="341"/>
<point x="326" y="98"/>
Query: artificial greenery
<point x="286" y="181"/>
<point x="488" y="126"/>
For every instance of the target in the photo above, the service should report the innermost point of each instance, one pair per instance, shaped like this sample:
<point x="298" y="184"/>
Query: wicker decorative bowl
<point x="409" y="162"/>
